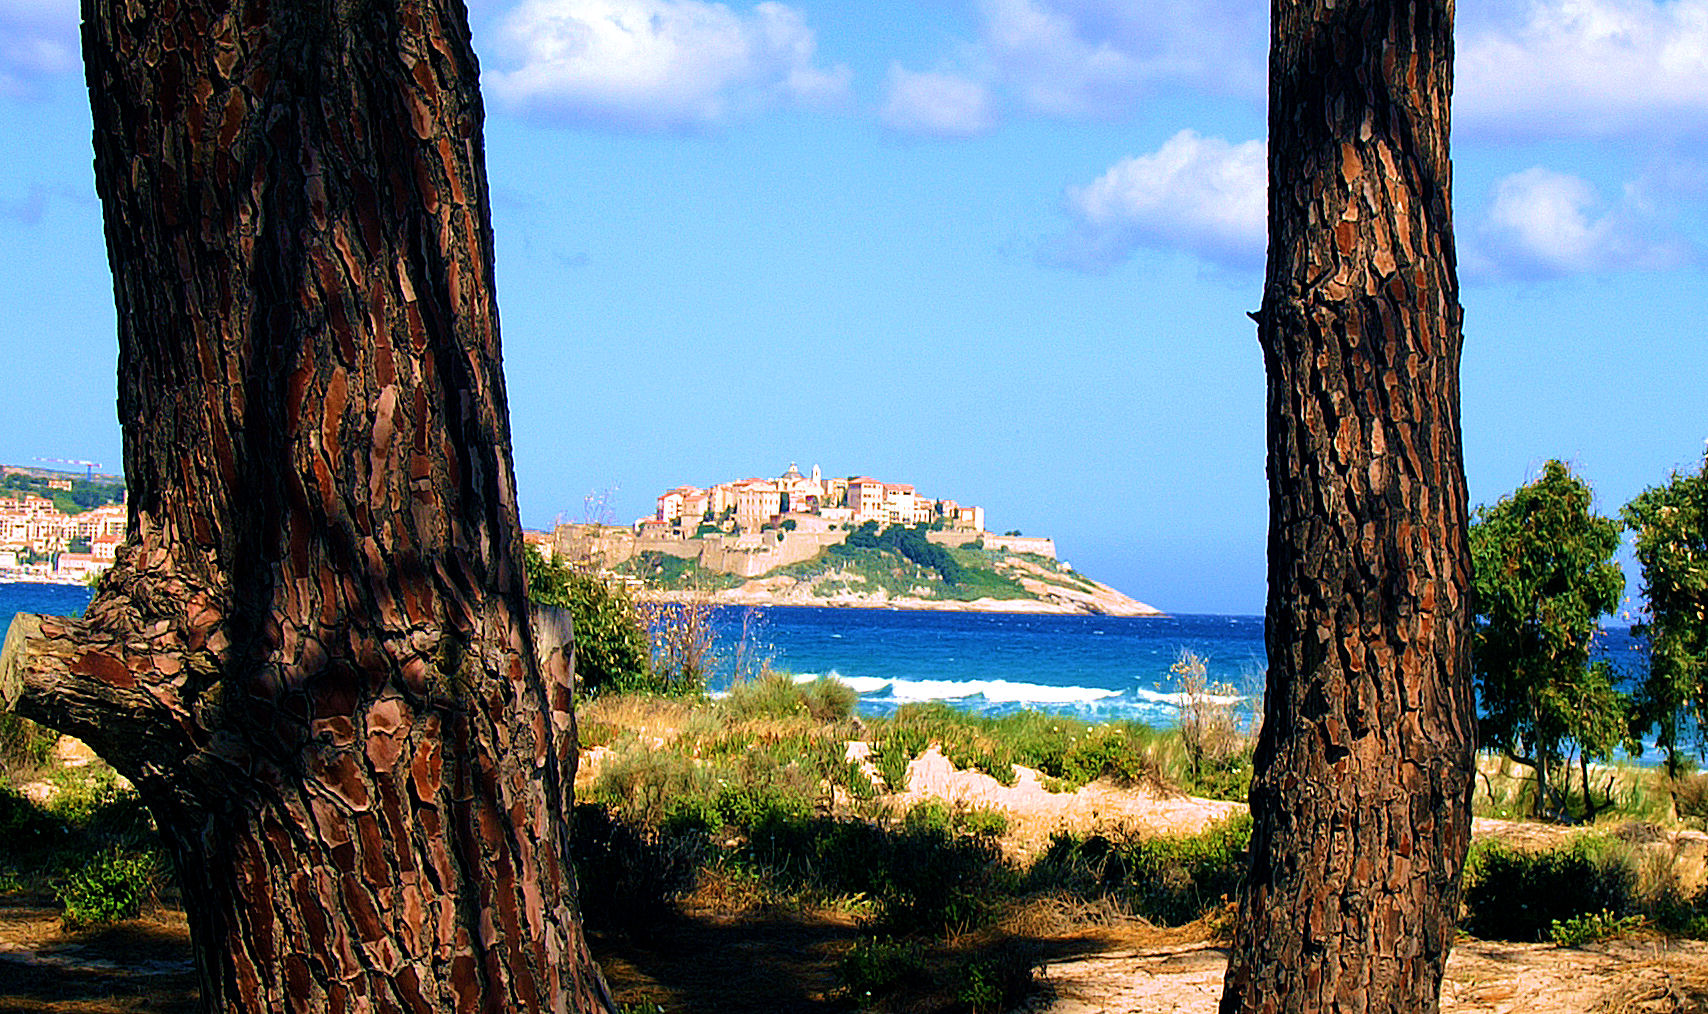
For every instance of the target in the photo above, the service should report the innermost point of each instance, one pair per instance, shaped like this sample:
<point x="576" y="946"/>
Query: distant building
<point x="755" y="504"/>
<point x="79" y="566"/>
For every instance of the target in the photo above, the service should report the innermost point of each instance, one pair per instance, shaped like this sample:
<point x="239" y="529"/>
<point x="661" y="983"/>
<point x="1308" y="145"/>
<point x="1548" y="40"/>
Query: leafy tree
<point x="1671" y="526"/>
<point x="611" y="645"/>
<point x="1544" y="575"/>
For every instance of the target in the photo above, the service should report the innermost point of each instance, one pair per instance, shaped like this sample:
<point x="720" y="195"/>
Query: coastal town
<point x="40" y="542"/>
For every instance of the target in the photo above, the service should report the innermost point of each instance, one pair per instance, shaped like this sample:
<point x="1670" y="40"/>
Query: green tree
<point x="1671" y="525"/>
<point x="611" y="646"/>
<point x="1544" y="575"/>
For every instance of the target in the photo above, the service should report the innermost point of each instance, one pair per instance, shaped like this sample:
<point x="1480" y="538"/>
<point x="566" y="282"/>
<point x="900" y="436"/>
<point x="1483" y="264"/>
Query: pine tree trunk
<point x="313" y="655"/>
<point x="1362" y="794"/>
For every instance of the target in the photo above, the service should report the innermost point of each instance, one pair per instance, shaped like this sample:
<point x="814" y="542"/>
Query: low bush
<point x="630" y="875"/>
<point x="995" y="982"/>
<point x="919" y="877"/>
<point x="1169" y="879"/>
<point x="1512" y="894"/>
<point x="110" y="887"/>
<point x="643" y="784"/>
<point x="877" y="966"/>
<point x="770" y="694"/>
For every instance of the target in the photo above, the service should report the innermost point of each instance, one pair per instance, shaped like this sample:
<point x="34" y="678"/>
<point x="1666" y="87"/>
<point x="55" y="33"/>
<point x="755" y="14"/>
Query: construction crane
<point x="89" y="465"/>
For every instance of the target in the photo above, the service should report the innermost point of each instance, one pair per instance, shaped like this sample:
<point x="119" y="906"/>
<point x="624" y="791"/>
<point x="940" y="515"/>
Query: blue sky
<point x="1000" y="249"/>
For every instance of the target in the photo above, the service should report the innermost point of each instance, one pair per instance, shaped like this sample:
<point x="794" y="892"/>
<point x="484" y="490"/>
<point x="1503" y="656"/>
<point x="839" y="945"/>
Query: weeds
<point x="110" y="887"/>
<point x="24" y="745"/>
<point x="1591" y="927"/>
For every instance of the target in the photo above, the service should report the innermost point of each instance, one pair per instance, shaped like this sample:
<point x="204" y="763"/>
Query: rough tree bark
<point x="313" y="655"/>
<point x="1364" y="765"/>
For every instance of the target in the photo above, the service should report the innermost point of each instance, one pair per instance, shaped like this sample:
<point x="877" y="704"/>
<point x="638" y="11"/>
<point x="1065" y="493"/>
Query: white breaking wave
<point x="993" y="691"/>
<point x="1177" y="699"/>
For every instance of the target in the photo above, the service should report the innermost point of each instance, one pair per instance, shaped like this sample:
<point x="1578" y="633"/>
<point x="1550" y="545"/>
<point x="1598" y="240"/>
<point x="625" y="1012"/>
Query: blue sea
<point x="1098" y="667"/>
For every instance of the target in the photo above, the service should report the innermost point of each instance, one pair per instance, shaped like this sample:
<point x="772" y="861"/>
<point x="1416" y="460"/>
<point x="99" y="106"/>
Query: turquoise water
<point x="1093" y="666"/>
<point x="1100" y="667"/>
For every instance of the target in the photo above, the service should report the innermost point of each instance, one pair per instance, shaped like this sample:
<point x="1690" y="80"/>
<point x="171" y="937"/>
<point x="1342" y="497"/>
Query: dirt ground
<point x="786" y="962"/>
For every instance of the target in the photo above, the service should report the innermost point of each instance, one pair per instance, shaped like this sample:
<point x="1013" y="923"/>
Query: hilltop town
<point x="756" y="504"/>
<point x="809" y="540"/>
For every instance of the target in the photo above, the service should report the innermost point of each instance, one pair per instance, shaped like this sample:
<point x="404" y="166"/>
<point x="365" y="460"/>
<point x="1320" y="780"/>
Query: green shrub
<point x="644" y="784"/>
<point x="900" y="744"/>
<point x="929" y="815"/>
<point x="1590" y="927"/>
<point x="1516" y="895"/>
<point x="111" y="886"/>
<point x="611" y="646"/>
<point x="745" y="806"/>
<point x="25" y="826"/>
<point x="876" y="966"/>
<point x="995" y="982"/>
<point x="773" y="694"/>
<point x="1169" y="879"/>
<point x="917" y="878"/>
<point x="1176" y="879"/>
<point x="829" y="699"/>
<point x="1118" y="752"/>
<point x="985" y="821"/>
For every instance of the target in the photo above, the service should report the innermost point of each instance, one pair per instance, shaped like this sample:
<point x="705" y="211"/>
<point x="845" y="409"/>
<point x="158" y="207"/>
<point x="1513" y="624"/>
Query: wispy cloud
<point x="1544" y="224"/>
<point x="1097" y="59"/>
<point x="657" y="64"/>
<point x="38" y="41"/>
<point x="1583" y="68"/>
<point x="1201" y="195"/>
<point x="937" y="104"/>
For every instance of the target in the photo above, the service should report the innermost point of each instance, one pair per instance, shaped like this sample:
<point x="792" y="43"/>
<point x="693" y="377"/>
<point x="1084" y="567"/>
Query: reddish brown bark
<point x="313" y="656"/>
<point x="1362" y="793"/>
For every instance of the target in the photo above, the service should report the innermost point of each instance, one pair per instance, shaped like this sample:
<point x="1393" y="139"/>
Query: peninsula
<point x="803" y="540"/>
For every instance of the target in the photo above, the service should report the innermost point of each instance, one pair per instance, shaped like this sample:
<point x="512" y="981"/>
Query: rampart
<point x="752" y="554"/>
<point x="1036" y="544"/>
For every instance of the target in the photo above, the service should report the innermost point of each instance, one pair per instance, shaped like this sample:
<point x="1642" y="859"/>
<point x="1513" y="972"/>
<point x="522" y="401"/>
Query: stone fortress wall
<point x="751" y="554"/>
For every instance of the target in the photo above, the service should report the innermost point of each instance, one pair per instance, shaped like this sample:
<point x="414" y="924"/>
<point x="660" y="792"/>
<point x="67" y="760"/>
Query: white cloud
<point x="938" y="104"/>
<point x="1096" y="59"/>
<point x="1544" y="224"/>
<point x="1583" y="67"/>
<point x="38" y="40"/>
<point x="657" y="64"/>
<point x="1199" y="194"/>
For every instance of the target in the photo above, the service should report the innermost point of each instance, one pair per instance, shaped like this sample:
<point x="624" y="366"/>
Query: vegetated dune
<point x="1181" y="971"/>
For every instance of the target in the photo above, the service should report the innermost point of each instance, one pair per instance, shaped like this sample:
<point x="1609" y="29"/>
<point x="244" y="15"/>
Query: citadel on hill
<point x="750" y="527"/>
<point x="754" y="504"/>
<point x="855" y="541"/>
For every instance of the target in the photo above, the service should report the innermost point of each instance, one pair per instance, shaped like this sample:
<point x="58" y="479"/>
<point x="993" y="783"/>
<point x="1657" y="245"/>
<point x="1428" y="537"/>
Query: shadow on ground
<point x="139" y="965"/>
